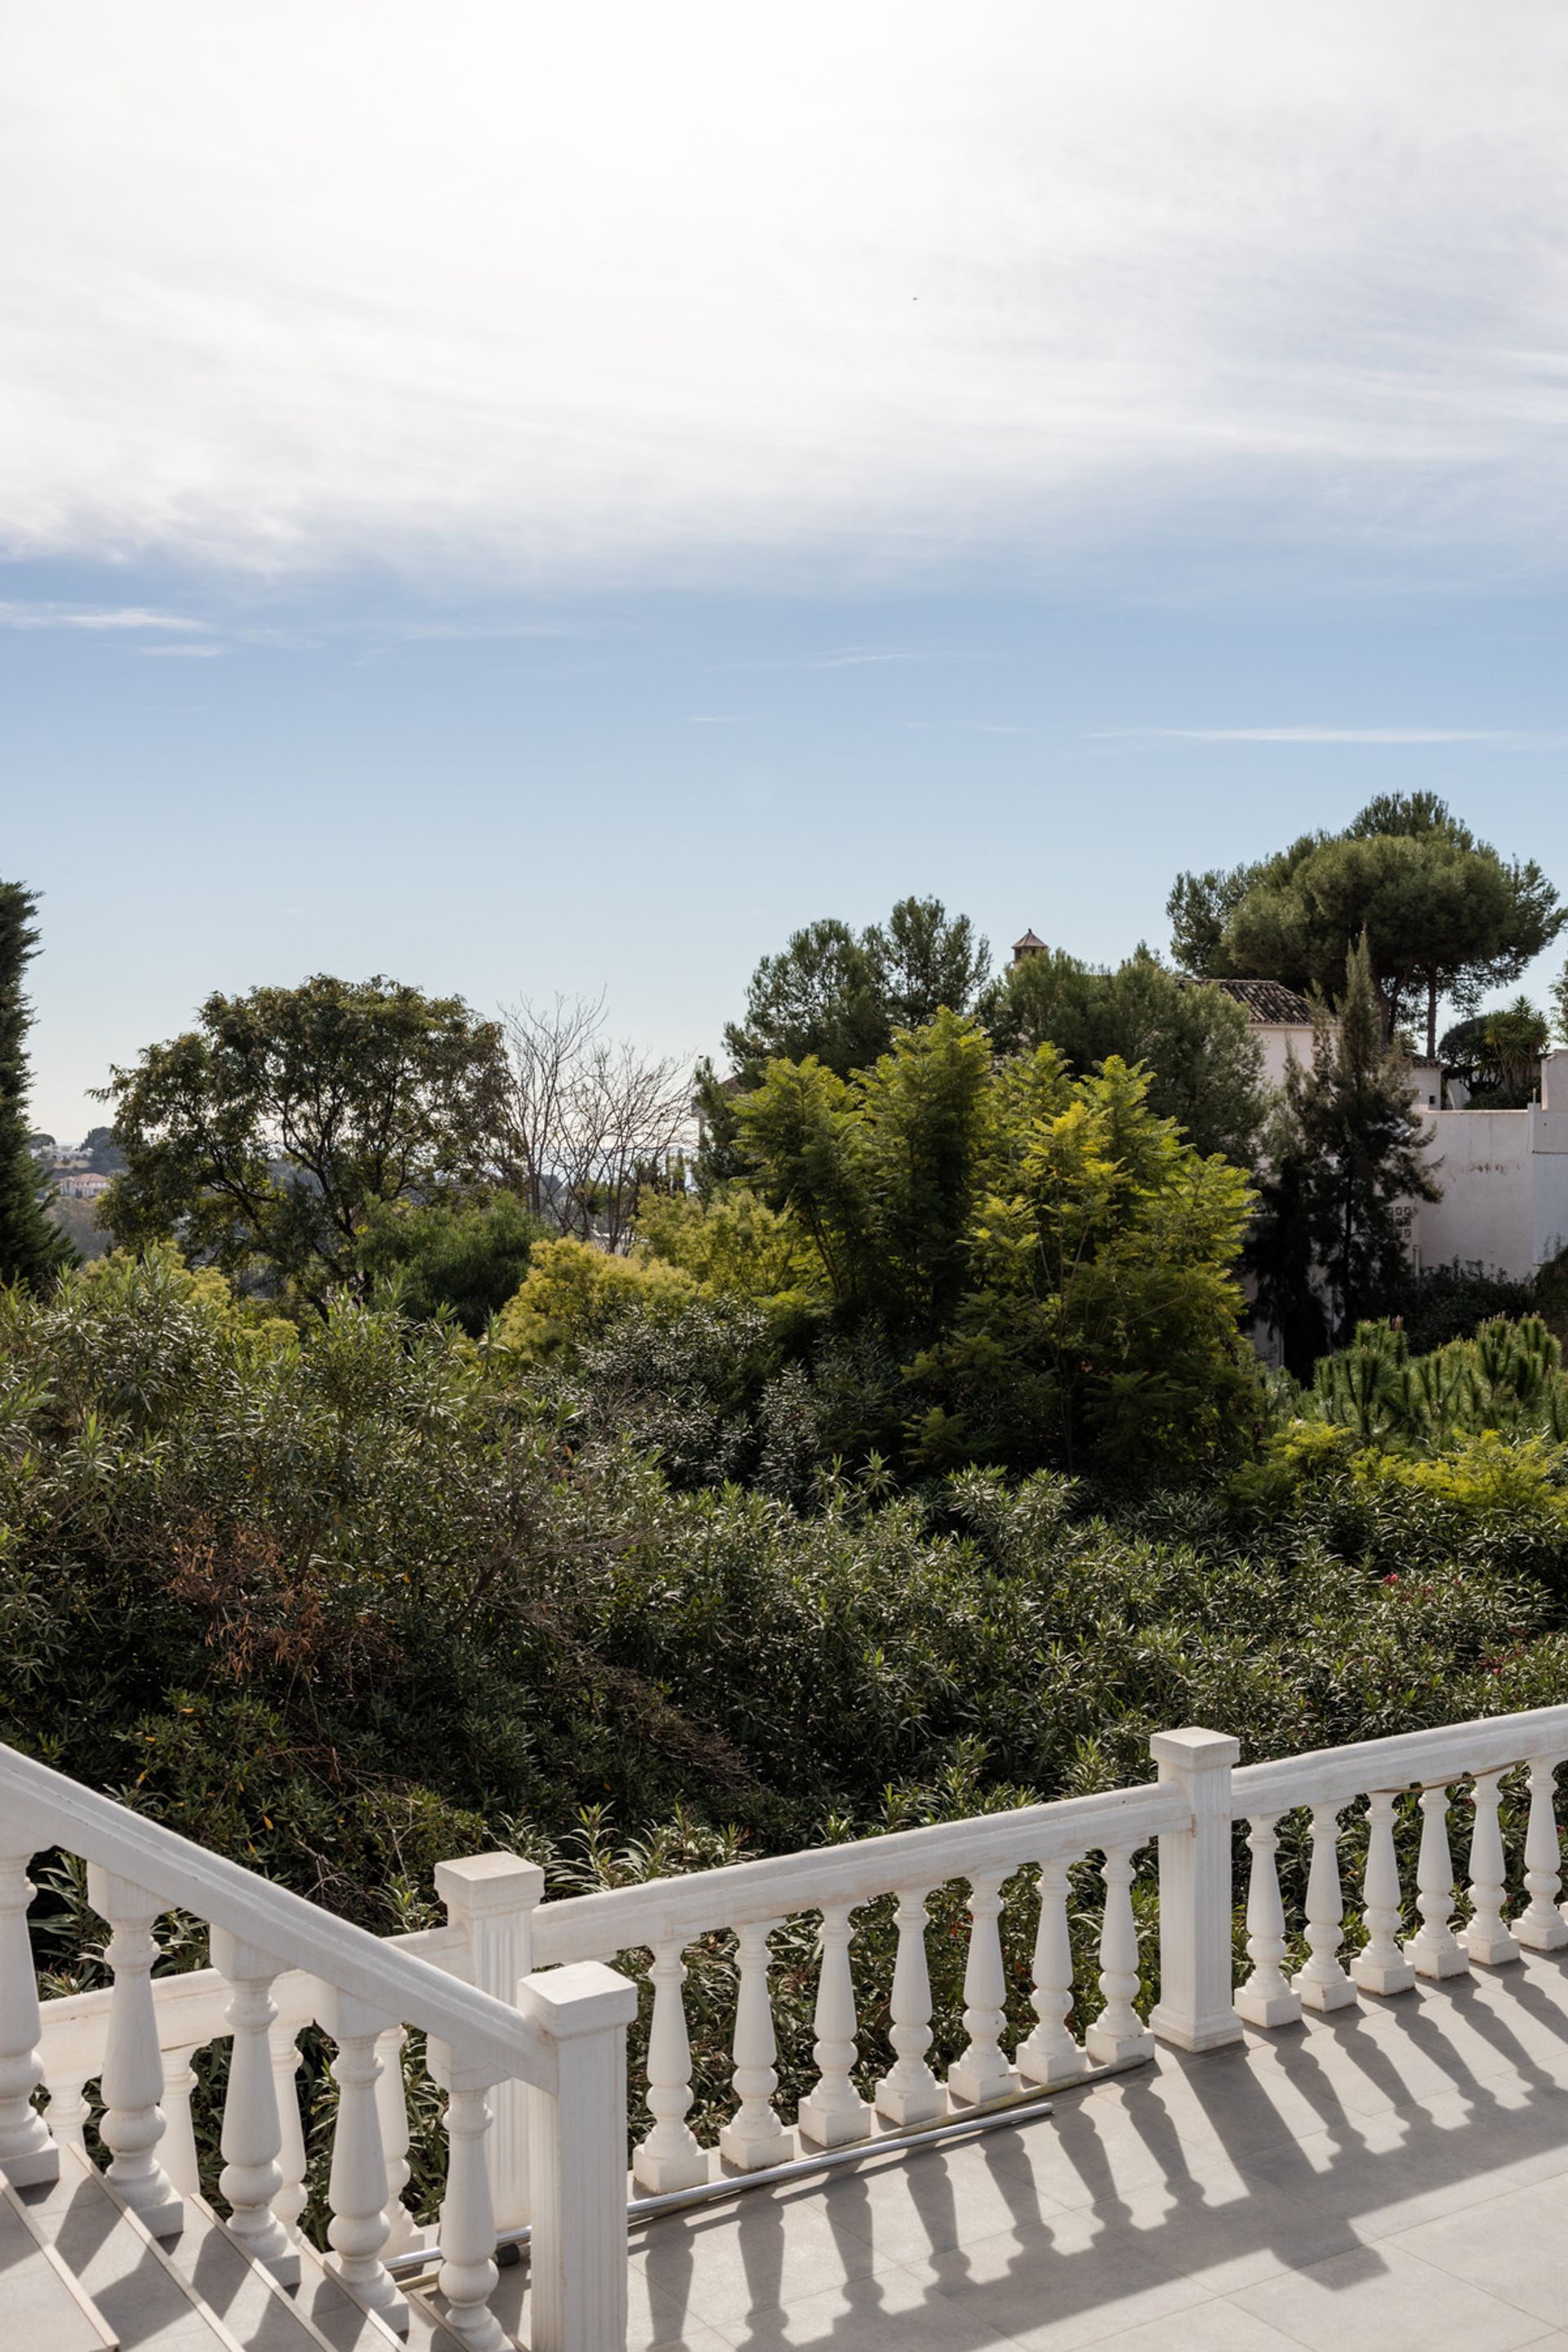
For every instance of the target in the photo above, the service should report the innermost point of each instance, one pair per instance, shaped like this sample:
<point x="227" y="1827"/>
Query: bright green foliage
<point x="32" y="1248"/>
<point x="880" y="1171"/>
<point x="1204" y="1063"/>
<point x="265" y="1137"/>
<point x="1101" y="1320"/>
<point x="733" y="1244"/>
<point x="458" y="1257"/>
<point x="1442" y="912"/>
<point x="1508" y="1379"/>
<point x="574" y="1291"/>
<point x="1345" y="1155"/>
<point x="1054" y="1254"/>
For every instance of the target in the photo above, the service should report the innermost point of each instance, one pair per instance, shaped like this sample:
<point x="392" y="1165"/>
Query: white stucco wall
<point x="1281" y="1045"/>
<point x="1504" y="1175"/>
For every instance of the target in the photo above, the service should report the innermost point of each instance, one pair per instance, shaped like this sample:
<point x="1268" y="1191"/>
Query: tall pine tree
<point x="32" y="1247"/>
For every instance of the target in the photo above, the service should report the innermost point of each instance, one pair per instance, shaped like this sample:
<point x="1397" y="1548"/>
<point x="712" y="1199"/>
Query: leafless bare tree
<point x="594" y="1119"/>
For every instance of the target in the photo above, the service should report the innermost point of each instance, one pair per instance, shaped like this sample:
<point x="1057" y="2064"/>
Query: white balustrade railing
<point x="1416" y="1769"/>
<point x="279" y="1963"/>
<point x="1033" y="1850"/>
<point x="504" y="1943"/>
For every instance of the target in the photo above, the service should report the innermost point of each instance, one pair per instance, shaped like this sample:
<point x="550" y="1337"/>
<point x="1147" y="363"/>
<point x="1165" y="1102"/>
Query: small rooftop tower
<point x="1027" y="947"/>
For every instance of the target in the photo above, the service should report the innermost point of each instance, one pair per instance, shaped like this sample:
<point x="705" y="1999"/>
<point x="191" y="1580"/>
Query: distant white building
<point x="1281" y="1021"/>
<point x="78" y="1184"/>
<point x="1504" y="1175"/>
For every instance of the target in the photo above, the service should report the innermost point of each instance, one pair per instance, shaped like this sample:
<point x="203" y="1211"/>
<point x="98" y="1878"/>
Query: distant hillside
<point x="79" y="1220"/>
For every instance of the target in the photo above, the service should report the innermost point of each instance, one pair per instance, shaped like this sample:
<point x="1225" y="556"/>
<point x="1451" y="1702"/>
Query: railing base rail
<point x="1024" y="2106"/>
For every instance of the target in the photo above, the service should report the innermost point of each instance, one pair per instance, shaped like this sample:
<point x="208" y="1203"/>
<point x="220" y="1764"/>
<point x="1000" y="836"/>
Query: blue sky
<point x="519" y="510"/>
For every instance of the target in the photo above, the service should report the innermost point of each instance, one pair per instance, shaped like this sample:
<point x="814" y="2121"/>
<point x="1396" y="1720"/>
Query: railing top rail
<point x="1447" y="1752"/>
<point x="668" y="1910"/>
<point x="40" y="1807"/>
<point x="190" y="2005"/>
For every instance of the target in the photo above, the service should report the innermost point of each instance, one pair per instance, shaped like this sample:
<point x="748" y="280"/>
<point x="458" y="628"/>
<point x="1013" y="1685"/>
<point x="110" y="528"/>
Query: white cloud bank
<point x="509" y="291"/>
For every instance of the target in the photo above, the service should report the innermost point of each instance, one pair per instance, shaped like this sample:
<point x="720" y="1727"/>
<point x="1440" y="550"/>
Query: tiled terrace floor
<point x="1394" y="2177"/>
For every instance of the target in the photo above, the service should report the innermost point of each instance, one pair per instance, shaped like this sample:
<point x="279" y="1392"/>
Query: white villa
<point x="1504" y="1174"/>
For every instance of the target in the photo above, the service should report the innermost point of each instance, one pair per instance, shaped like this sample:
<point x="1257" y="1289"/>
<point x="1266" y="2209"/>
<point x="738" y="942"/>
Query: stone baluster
<point x="1435" y="1950"/>
<point x="493" y="1899"/>
<point x="392" y="2112"/>
<point x="252" y="2179"/>
<point x="283" y="2046"/>
<point x="28" y="2153"/>
<point x="1322" y="1983"/>
<point x="982" y="2073"/>
<point x="755" y="2137"/>
<point x="1117" y="2034"/>
<point x="670" y="2157"/>
<point x="467" y="2225"/>
<point x="909" y="2093"/>
<point x="356" y="2185"/>
<point x="835" y="2112"/>
<point x="177" y="2149"/>
<point x="1266" y="1998"/>
<point x="1050" y="2055"/>
<point x="1541" y="1926"/>
<point x="132" y="2078"/>
<point x="1381" y="1965"/>
<point x="69" y="2110"/>
<point x="1486" y="1937"/>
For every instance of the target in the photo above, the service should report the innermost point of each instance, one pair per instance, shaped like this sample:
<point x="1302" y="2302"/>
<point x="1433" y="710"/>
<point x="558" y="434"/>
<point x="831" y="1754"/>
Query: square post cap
<point x="489" y="1885"/>
<point x="1194" y="1750"/>
<point x="582" y="1998"/>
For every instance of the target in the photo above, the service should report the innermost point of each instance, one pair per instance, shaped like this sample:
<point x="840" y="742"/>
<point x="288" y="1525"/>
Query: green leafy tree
<point x="924" y="962"/>
<point x="1346" y="1160"/>
<point x="1443" y="914"/>
<point x="839" y="995"/>
<point x="103" y="1154"/>
<point x="1498" y="1055"/>
<point x="266" y="1135"/>
<point x="880" y="1169"/>
<point x="464" y="1258"/>
<point x="32" y="1247"/>
<point x="1102" y="1323"/>
<point x="1056" y="1257"/>
<point x="1204" y="1065"/>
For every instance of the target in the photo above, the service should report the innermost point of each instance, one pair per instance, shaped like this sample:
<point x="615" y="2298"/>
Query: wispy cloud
<point x="115" y="616"/>
<point x="1115" y="280"/>
<point x="180" y="653"/>
<point x="1391" y="735"/>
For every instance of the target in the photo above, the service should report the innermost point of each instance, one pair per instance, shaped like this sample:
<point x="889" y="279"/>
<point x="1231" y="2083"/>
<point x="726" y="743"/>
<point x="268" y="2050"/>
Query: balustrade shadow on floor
<point x="1392" y="2175"/>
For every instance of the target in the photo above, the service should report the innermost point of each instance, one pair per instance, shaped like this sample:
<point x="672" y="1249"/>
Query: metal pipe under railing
<point x="1024" y="2106"/>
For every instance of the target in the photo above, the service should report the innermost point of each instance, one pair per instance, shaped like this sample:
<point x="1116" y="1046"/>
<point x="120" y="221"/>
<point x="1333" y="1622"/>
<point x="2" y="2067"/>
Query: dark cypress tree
<point x="32" y="1247"/>
<point x="1330" y="1241"/>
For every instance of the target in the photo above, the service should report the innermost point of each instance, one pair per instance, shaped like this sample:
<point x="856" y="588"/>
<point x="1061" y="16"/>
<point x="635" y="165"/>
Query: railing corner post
<point x="578" y="2158"/>
<point x="1197" y="2008"/>
<point x="492" y="1897"/>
